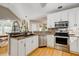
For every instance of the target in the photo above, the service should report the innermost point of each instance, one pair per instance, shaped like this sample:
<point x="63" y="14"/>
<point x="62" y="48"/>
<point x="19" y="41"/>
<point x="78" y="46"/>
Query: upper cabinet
<point x="64" y="15"/>
<point x="50" y="21"/>
<point x="77" y="17"/>
<point x="71" y="15"/>
<point x="52" y="18"/>
<point x="55" y="17"/>
<point x="72" y="18"/>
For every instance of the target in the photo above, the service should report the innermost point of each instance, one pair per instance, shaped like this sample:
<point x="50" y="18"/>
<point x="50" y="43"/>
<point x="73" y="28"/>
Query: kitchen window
<point x="5" y="27"/>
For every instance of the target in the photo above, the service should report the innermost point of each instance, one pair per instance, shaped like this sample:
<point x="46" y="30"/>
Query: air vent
<point x="60" y="7"/>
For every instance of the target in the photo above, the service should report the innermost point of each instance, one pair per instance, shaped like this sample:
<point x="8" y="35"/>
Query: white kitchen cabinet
<point x="71" y="15"/>
<point x="56" y="16"/>
<point x="13" y="47"/>
<point x="78" y="44"/>
<point x="17" y="47"/>
<point x="31" y="44"/>
<point x="77" y="17"/>
<point x="50" y="41"/>
<point x="34" y="42"/>
<point x="52" y="18"/>
<point x="50" y="21"/>
<point x="72" y="18"/>
<point x="21" y="47"/>
<point x="64" y="15"/>
<point x="28" y="45"/>
<point x="73" y="44"/>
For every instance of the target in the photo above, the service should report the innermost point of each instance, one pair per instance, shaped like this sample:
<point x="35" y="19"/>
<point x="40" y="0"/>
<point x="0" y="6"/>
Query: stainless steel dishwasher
<point x="43" y="40"/>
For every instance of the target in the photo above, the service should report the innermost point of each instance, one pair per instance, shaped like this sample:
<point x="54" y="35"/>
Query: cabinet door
<point x="50" y="41"/>
<point x="27" y="46"/>
<point x="73" y="44"/>
<point x="78" y="45"/>
<point x="72" y="18"/>
<point x="50" y="21"/>
<point x="77" y="17"/>
<point x="64" y="15"/>
<point x="53" y="41"/>
<point x="56" y="17"/>
<point x="21" y="47"/>
<point x="52" y="18"/>
<point x="13" y="47"/>
<point x="35" y="44"/>
<point x="45" y="40"/>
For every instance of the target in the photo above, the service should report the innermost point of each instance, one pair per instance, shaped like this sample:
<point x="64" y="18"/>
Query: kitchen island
<point x="22" y="45"/>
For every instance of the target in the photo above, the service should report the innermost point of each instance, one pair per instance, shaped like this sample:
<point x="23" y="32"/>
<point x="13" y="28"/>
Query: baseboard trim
<point x="74" y="52"/>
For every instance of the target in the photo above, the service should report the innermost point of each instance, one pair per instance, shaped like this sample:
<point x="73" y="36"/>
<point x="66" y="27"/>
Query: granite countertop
<point x="73" y="35"/>
<point x="45" y="33"/>
<point x="22" y="37"/>
<point x="3" y="36"/>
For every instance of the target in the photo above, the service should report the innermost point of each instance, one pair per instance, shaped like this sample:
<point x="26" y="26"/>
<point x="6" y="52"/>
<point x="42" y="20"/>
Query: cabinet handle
<point x="24" y="45"/>
<point x="74" y="24"/>
<point x="32" y="41"/>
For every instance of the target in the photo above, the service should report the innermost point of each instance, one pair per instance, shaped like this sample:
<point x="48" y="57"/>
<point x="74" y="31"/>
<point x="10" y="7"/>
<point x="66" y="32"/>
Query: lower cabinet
<point x="31" y="44"/>
<point x="17" y="47"/>
<point x="22" y="47"/>
<point x="50" y="41"/>
<point x="74" y="45"/>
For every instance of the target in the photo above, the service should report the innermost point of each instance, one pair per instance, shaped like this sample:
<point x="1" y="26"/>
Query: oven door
<point x="62" y="40"/>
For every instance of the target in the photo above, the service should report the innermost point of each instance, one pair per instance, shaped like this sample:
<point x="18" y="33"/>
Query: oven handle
<point x="61" y="37"/>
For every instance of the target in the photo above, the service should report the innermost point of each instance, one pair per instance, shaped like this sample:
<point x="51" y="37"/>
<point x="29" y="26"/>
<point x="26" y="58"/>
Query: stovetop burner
<point x="62" y="34"/>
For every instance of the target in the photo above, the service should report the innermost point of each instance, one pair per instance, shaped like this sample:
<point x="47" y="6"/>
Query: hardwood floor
<point x="50" y="52"/>
<point x="3" y="51"/>
<point x="41" y="52"/>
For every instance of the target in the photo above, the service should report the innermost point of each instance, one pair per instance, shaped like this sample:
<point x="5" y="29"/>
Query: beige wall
<point x="5" y="13"/>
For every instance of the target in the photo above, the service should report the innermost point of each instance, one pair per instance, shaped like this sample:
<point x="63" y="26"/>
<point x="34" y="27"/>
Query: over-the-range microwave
<point x="61" y="24"/>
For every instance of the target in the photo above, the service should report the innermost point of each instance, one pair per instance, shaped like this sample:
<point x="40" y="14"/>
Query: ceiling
<point x="5" y="13"/>
<point x="35" y="10"/>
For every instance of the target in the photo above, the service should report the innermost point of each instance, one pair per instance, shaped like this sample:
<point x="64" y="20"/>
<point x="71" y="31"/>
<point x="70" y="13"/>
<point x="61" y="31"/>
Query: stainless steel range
<point x="62" y="41"/>
<point x="62" y="36"/>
